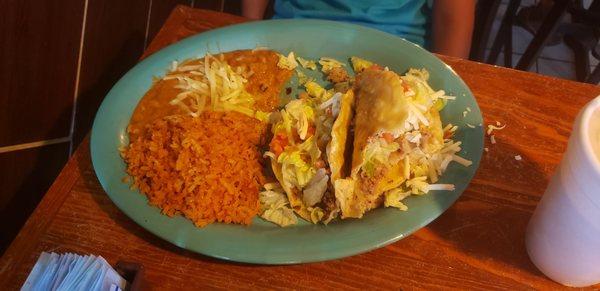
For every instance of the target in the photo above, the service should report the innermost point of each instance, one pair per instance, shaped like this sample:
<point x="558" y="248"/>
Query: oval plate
<point x="263" y="242"/>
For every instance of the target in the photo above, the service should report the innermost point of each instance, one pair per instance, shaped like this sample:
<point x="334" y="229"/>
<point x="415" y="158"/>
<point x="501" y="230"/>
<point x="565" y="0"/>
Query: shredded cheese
<point x="441" y="187"/>
<point x="210" y="83"/>
<point x="491" y="128"/>
<point x="461" y="160"/>
<point x="448" y="97"/>
<point x="450" y="128"/>
<point x="451" y="146"/>
<point x="418" y="185"/>
<point x="438" y="94"/>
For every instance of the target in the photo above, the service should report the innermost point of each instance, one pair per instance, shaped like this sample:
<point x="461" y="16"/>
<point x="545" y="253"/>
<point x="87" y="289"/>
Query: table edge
<point x="43" y="215"/>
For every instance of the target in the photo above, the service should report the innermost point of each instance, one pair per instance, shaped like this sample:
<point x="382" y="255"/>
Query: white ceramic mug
<point x="563" y="235"/>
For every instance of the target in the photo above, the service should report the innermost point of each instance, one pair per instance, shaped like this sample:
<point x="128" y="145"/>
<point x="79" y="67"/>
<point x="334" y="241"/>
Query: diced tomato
<point x="405" y="87"/>
<point x="388" y="137"/>
<point x="448" y="134"/>
<point x="278" y="144"/>
<point x="311" y="131"/>
<point x="320" y="164"/>
<point x="295" y="135"/>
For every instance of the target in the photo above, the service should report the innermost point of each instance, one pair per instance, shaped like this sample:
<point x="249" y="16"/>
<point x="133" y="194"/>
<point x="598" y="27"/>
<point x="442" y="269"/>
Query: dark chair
<point x="541" y="37"/>
<point x="503" y="38"/>
<point x="581" y="35"/>
<point x="485" y="13"/>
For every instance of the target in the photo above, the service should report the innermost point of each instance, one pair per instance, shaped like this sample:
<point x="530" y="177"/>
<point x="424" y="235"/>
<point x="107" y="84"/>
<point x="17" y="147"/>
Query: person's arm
<point x="254" y="9"/>
<point x="453" y="27"/>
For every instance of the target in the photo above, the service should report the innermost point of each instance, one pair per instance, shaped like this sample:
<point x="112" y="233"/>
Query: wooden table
<point x="477" y="244"/>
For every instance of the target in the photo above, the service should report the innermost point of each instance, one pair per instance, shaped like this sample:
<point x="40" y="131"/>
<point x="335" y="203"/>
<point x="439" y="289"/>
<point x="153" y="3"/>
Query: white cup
<point x="563" y="235"/>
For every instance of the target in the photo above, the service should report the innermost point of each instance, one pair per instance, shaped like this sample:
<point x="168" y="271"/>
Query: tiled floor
<point x="557" y="60"/>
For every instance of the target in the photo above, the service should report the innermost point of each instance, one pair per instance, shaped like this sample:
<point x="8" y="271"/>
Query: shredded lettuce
<point x="272" y="198"/>
<point x="295" y="171"/>
<point x="300" y="156"/>
<point x="328" y="95"/>
<point x="274" y="206"/>
<point x="302" y="78"/>
<point x="302" y="116"/>
<point x="317" y="91"/>
<point x="419" y="169"/>
<point x="344" y="193"/>
<point x="314" y="89"/>
<point x="424" y="95"/>
<point x="359" y="65"/>
<point x="307" y="64"/>
<point x="393" y="198"/>
<point x="282" y="216"/>
<point x="316" y="214"/>
<point x="422" y="74"/>
<point x="377" y="152"/>
<point x="288" y="63"/>
<point x="329" y="63"/>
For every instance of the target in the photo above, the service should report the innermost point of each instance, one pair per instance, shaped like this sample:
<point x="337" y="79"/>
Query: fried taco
<point x="398" y="146"/>
<point x="307" y="152"/>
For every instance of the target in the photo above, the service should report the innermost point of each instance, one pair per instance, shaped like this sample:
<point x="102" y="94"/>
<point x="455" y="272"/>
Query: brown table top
<point x="477" y="244"/>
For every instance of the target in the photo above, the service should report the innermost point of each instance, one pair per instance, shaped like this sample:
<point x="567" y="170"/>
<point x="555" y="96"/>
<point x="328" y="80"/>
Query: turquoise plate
<point x="263" y="242"/>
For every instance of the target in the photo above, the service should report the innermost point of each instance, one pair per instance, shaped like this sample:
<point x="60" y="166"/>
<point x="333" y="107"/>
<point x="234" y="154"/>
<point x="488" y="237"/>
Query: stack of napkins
<point x="73" y="272"/>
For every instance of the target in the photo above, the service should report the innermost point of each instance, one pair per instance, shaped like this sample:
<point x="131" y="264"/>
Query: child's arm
<point x="453" y="26"/>
<point x="254" y="9"/>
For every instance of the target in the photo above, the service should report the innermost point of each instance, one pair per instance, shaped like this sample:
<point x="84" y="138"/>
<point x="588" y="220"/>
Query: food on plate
<point x="206" y="168"/>
<point x="195" y="136"/>
<point x="247" y="81"/>
<point x="359" y="65"/>
<point x="399" y="146"/>
<point x="204" y="137"/>
<point x="306" y="153"/>
<point x="274" y="206"/>
<point x="307" y="64"/>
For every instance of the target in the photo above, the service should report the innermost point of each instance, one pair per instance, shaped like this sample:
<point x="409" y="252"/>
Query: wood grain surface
<point x="114" y="39"/>
<point x="25" y="176"/>
<point x="39" y="43"/>
<point x="477" y="244"/>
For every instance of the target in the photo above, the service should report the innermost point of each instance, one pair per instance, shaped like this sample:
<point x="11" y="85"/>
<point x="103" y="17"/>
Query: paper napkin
<point x="72" y="272"/>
